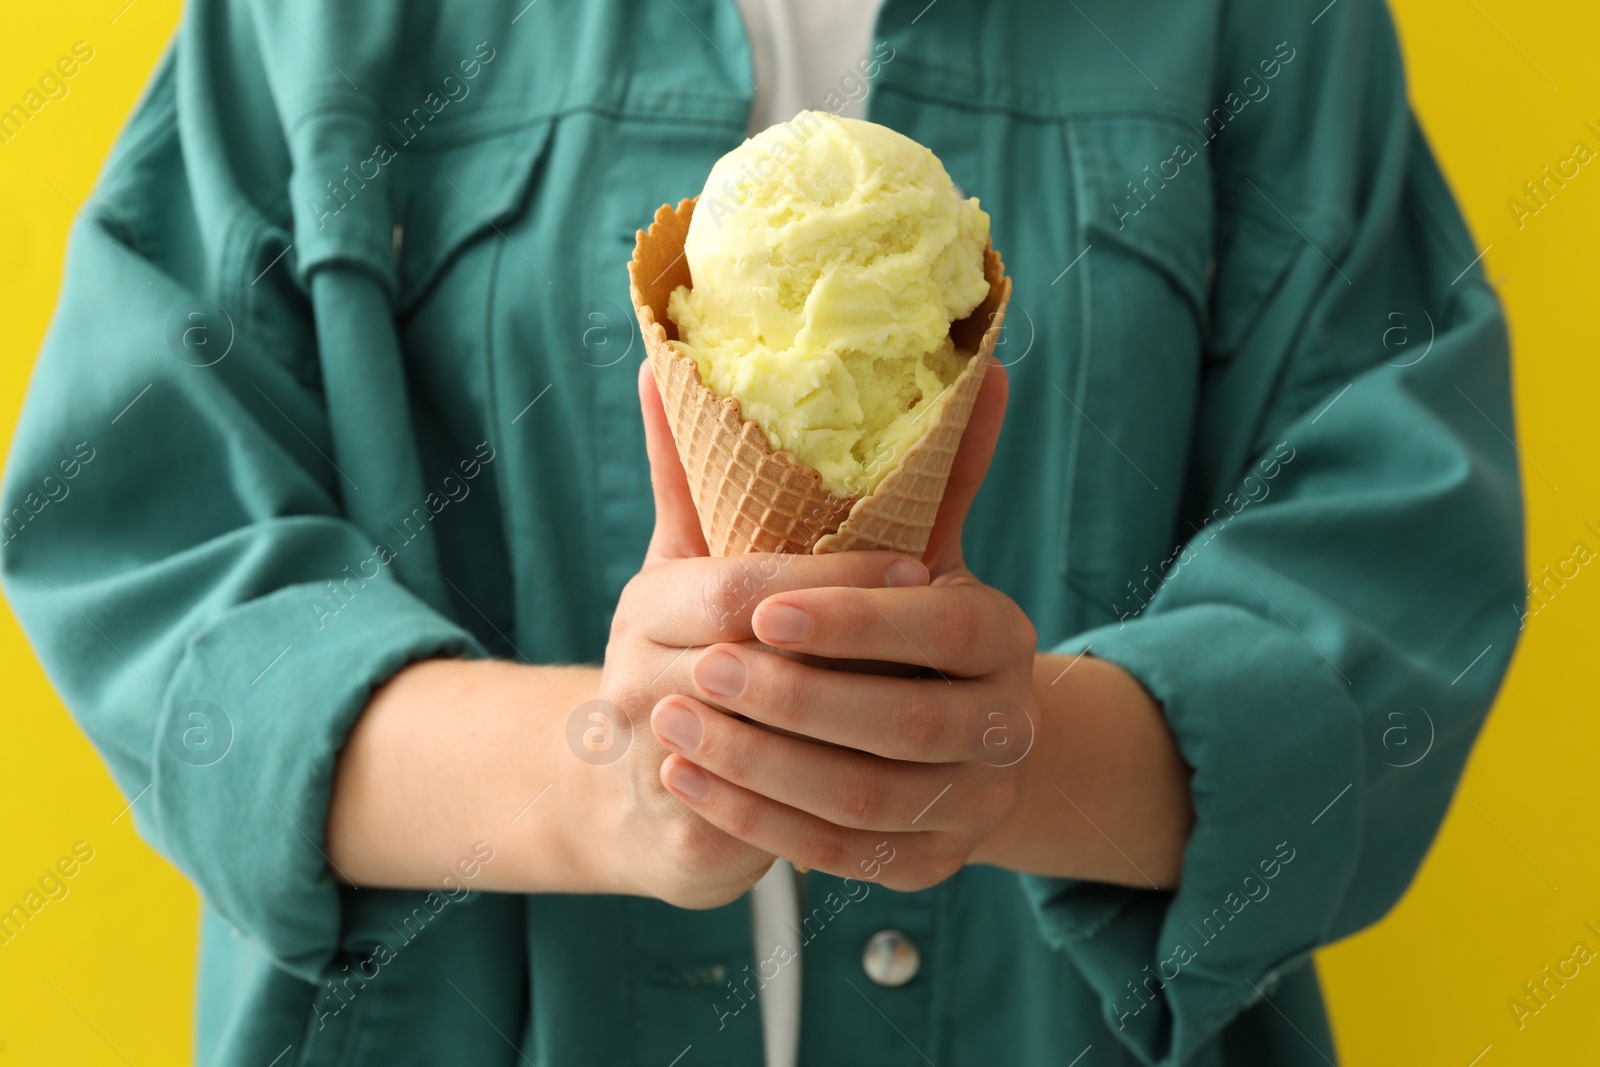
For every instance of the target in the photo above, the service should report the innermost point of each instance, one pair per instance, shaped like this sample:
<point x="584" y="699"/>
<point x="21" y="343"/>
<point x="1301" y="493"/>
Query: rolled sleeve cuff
<point x="256" y="714"/>
<point x="1274" y="738"/>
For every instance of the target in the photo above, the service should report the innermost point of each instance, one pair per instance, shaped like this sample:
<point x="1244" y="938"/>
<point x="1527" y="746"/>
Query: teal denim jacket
<point x="347" y="327"/>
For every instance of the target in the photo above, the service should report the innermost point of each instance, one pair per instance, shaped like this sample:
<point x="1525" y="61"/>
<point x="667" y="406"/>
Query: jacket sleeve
<point x="1337" y="616"/>
<point x="174" y="543"/>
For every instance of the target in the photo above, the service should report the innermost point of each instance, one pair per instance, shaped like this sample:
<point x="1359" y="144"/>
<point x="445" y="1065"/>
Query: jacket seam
<point x="1046" y="117"/>
<point x="507" y="120"/>
<point x="1047" y="108"/>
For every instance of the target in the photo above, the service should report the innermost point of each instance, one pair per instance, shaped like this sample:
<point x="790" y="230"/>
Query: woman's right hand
<point x="681" y="601"/>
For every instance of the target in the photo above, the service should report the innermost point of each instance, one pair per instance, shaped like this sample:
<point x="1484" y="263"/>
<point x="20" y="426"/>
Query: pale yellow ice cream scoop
<point x="829" y="257"/>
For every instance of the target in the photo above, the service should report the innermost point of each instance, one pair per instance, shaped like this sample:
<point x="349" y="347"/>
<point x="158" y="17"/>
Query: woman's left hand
<point x="926" y="764"/>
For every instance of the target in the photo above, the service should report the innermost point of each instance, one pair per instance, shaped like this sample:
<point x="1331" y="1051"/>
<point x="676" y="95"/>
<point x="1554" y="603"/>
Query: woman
<point x="346" y="325"/>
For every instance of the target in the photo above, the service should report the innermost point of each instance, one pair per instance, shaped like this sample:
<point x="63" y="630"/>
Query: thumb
<point x="677" y="534"/>
<point x="943" y="553"/>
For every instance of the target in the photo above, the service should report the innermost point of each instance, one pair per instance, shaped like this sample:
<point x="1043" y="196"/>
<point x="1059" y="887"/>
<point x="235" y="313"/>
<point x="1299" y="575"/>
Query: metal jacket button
<point x="891" y="958"/>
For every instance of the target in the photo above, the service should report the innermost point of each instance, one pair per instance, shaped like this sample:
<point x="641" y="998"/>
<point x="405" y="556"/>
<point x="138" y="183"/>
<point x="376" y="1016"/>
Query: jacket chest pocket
<point x="1136" y="311"/>
<point x="1105" y="226"/>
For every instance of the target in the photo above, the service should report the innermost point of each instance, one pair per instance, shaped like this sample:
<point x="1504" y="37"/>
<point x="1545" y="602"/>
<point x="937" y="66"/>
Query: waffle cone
<point x="751" y="498"/>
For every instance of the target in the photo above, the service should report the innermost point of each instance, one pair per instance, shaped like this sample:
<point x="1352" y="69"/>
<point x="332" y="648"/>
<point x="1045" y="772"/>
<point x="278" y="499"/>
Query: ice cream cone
<point x="751" y="498"/>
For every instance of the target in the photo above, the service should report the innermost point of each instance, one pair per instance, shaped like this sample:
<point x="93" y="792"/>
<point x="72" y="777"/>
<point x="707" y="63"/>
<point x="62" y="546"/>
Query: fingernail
<point x="785" y="624"/>
<point x="684" y="777"/>
<point x="677" y="726"/>
<point x="719" y="674"/>
<point x="904" y="572"/>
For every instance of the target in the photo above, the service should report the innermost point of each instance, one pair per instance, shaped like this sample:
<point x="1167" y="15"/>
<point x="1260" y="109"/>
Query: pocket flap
<point x="454" y="194"/>
<point x="384" y="199"/>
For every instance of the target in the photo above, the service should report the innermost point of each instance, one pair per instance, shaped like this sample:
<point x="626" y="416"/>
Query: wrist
<point x="549" y="806"/>
<point x="1104" y="793"/>
<point x="593" y="743"/>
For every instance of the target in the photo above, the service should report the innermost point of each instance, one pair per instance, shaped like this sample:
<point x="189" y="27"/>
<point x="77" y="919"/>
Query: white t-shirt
<point x="808" y="54"/>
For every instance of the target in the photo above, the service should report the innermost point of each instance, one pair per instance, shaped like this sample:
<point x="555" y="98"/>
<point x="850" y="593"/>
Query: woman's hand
<point x="666" y="617"/>
<point x="680" y="602"/>
<point x="928" y="764"/>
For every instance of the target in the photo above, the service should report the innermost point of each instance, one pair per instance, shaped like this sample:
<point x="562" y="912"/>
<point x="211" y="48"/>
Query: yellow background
<point x="1506" y="890"/>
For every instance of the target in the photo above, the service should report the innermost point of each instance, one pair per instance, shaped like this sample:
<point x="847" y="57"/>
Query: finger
<point x="943" y="553"/>
<point x="701" y="601"/>
<point x="677" y="532"/>
<point x="960" y="630"/>
<point x="923" y="720"/>
<point x="837" y="785"/>
<point x="895" y="860"/>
